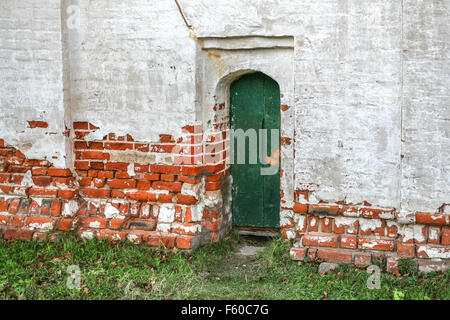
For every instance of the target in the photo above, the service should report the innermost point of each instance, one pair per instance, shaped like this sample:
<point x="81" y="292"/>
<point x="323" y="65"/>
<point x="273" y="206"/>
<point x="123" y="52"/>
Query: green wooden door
<point x="255" y="104"/>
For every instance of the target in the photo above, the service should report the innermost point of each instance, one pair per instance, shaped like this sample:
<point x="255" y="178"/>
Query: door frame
<point x="219" y="62"/>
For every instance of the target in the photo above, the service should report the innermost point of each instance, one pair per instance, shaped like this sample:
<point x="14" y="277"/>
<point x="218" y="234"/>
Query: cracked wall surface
<point x="365" y="111"/>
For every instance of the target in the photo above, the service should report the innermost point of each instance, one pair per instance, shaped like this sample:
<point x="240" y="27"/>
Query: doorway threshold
<point x="259" y="232"/>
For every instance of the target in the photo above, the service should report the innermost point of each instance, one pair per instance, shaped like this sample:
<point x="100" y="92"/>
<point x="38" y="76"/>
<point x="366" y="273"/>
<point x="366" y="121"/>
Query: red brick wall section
<point x="359" y="234"/>
<point x="111" y="196"/>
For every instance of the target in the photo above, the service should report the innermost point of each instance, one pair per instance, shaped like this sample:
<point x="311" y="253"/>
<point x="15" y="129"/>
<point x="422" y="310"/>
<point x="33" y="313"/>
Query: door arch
<point x="255" y="105"/>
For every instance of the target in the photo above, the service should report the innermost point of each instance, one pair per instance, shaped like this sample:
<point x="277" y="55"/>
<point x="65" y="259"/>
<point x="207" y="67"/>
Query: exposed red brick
<point x="211" y="225"/>
<point x="118" y="146"/>
<point x="105" y="174"/>
<point x="169" y="186"/>
<point x="320" y="240"/>
<point x="95" y="155"/>
<point x="116" y="223"/>
<point x="405" y="250"/>
<point x="191" y="171"/>
<point x="165" y="198"/>
<point x="184" y="199"/>
<point x="14" y="161"/>
<point x="334" y="256"/>
<point x="185" y="242"/>
<point x="95" y="193"/>
<point x="375" y="213"/>
<point x="348" y="242"/>
<point x="445" y="236"/>
<point x="326" y="225"/>
<point x="65" y="224"/>
<point x="116" y="166"/>
<point x="298" y="253"/>
<point x="141" y="167"/>
<point x="97" y="165"/>
<point x="434" y="235"/>
<point x="212" y="186"/>
<point x="4" y="177"/>
<point x="184" y="229"/>
<point x="431" y="251"/>
<point x="349" y="211"/>
<point x="160" y="168"/>
<point x="18" y="169"/>
<point x="188" y="180"/>
<point x="362" y="260"/>
<point x="80" y="145"/>
<point x="67" y="194"/>
<point x="117" y="194"/>
<point x="81" y="125"/>
<point x="39" y="222"/>
<point x="375" y="244"/>
<point x="36" y="162"/>
<point x="313" y="223"/>
<point x="122" y="175"/>
<point x="37" y="124"/>
<point x="148" y="176"/>
<point x="143" y="185"/>
<point x="94" y="222"/>
<point x="56" y="208"/>
<point x="112" y="235"/>
<point x="161" y="240"/>
<point x="122" y="184"/>
<point x="55" y="172"/>
<point x="300" y="208"/>
<point x="42" y="192"/>
<point x="168" y="177"/>
<point x="4" y="220"/>
<point x="324" y="209"/>
<point x="430" y="219"/>
<point x="81" y="165"/>
<point x="141" y="195"/>
<point x="14" y="234"/>
<point x="18" y="221"/>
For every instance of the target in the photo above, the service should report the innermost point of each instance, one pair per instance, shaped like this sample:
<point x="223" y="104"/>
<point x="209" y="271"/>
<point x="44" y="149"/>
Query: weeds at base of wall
<point x="407" y="266"/>
<point x="124" y="270"/>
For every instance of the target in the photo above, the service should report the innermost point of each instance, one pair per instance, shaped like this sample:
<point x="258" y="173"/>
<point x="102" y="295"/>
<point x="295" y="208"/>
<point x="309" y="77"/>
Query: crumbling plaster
<point x="369" y="91"/>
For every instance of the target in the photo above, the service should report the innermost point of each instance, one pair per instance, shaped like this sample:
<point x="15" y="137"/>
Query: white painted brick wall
<point x="367" y="74"/>
<point x="31" y="77"/>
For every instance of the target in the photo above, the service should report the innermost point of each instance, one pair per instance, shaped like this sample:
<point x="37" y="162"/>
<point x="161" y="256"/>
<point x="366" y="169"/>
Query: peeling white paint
<point x="70" y="208"/>
<point x="344" y="221"/>
<point x="112" y="212"/>
<point x="434" y="252"/>
<point x="163" y="227"/>
<point x="290" y="234"/>
<point x="133" y="238"/>
<point x="42" y="226"/>
<point x="192" y="189"/>
<point x="94" y="224"/>
<point x="332" y="69"/>
<point x="87" y="235"/>
<point x="130" y="170"/>
<point x="166" y="213"/>
<point x="412" y="232"/>
<point x="27" y="181"/>
<point x="369" y="224"/>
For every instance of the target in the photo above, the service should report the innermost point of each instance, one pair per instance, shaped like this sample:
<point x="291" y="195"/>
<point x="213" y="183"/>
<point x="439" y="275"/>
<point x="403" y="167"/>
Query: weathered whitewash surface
<point x="368" y="83"/>
<point x="31" y="85"/>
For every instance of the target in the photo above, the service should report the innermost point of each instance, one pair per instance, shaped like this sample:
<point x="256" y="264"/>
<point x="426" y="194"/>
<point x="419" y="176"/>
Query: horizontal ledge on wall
<point x="247" y="42"/>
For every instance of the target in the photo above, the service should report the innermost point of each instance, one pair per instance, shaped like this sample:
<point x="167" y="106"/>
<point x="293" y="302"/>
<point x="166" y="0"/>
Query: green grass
<point x="38" y="270"/>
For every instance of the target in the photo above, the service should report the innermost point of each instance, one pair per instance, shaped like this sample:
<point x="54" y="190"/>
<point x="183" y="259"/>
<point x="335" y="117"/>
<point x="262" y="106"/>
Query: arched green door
<point x="255" y="104"/>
